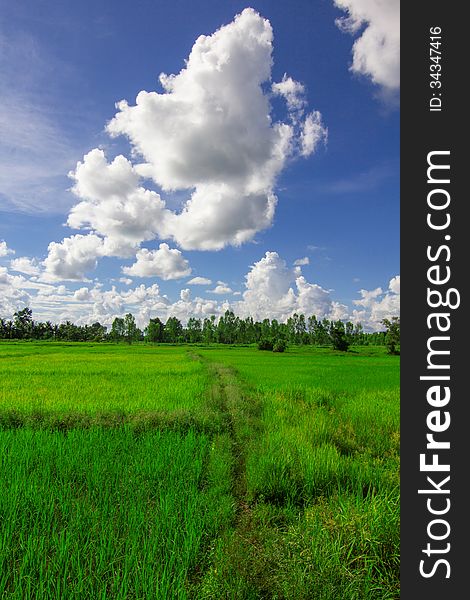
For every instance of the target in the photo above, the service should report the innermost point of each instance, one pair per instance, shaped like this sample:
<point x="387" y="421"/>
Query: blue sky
<point x="231" y="171"/>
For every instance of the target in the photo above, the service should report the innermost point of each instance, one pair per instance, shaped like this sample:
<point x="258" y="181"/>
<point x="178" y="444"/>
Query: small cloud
<point x="300" y="262"/>
<point x="82" y="295"/>
<point x="4" y="250"/>
<point x="199" y="281"/>
<point x="166" y="263"/>
<point x="221" y="289"/>
<point x="185" y="295"/>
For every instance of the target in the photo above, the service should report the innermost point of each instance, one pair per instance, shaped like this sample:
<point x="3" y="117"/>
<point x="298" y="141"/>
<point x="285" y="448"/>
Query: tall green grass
<point x="106" y="513"/>
<point x="68" y="385"/>
<point x="322" y="479"/>
<point x="143" y="472"/>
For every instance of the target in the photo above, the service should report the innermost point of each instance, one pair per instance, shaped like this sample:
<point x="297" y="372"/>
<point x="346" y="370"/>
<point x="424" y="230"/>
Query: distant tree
<point x="358" y="334"/>
<point x="226" y="330"/>
<point x="97" y="332"/>
<point x="154" y="331"/>
<point x="392" y="335"/>
<point x="349" y="332"/>
<point x="338" y="337"/>
<point x="194" y="330"/>
<point x="23" y="323"/>
<point x="265" y="344"/>
<point x="208" y="329"/>
<point x="69" y="332"/>
<point x="6" y="329"/>
<point x="279" y="345"/>
<point x="276" y="329"/>
<point x="118" y="330"/>
<point x="173" y="330"/>
<point x="312" y="324"/>
<point x="131" y="332"/>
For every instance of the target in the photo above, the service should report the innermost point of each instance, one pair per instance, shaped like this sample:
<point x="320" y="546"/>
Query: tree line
<point x="227" y="329"/>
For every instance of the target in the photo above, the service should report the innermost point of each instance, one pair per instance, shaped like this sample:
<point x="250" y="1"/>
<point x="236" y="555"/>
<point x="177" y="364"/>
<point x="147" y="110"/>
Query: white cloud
<point x="221" y="289"/>
<point x="12" y="297"/>
<point x="312" y="299"/>
<point x="313" y="133"/>
<point x="275" y="291"/>
<point x="185" y="295"/>
<point x="23" y="264"/>
<point x="292" y="91"/>
<point x="376" y="53"/>
<point x="368" y="297"/>
<point x="211" y="132"/>
<point x="199" y="281"/>
<point x="166" y="263"/>
<point x="72" y="258"/>
<point x="5" y="250"/>
<point x="113" y="205"/>
<point x="302" y="261"/>
<point x="378" y="305"/>
<point x="394" y="284"/>
<point x="82" y="294"/>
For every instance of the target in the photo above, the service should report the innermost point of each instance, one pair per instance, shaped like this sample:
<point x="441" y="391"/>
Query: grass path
<point x="331" y="546"/>
<point x="236" y="565"/>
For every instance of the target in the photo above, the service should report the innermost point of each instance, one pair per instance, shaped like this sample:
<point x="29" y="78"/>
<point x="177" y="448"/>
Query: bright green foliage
<point x="111" y="382"/>
<point x="392" y="337"/>
<point x="199" y="472"/>
<point x="131" y="332"/>
<point x="279" y="345"/>
<point x="322" y="480"/>
<point x="118" y="330"/>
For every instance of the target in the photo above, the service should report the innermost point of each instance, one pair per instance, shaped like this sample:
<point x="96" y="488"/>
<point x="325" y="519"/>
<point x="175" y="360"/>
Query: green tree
<point x="23" y="323"/>
<point x="118" y="329"/>
<point x="97" y="332"/>
<point x="194" y="330"/>
<point x="154" y="331"/>
<point x="173" y="330"/>
<point x="208" y="329"/>
<point x="131" y="332"/>
<point x="338" y="337"/>
<point x="392" y="335"/>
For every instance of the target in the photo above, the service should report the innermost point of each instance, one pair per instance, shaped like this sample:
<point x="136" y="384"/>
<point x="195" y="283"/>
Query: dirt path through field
<point x="243" y="420"/>
<point x="242" y="414"/>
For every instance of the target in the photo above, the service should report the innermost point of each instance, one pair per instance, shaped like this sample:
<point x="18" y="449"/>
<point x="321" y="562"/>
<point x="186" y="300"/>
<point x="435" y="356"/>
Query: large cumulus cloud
<point x="275" y="291"/>
<point x="209" y="134"/>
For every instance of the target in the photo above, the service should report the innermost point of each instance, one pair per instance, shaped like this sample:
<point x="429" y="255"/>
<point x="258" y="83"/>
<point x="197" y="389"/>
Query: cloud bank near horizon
<point x="272" y="290"/>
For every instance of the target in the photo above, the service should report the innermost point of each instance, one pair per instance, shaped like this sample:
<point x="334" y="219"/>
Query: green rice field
<point x="198" y="472"/>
